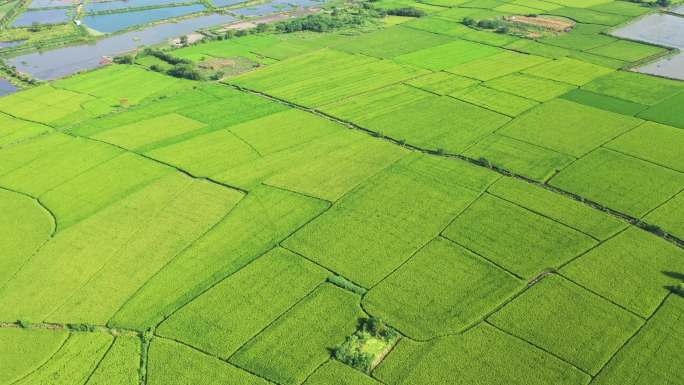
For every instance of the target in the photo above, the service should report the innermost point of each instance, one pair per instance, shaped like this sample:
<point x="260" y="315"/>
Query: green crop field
<point x="352" y="192"/>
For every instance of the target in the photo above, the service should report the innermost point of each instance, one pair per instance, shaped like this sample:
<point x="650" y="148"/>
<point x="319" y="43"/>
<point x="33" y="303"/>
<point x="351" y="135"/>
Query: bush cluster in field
<point x="353" y="350"/>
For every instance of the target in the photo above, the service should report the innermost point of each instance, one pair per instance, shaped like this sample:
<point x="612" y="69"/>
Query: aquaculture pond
<point x="46" y="16"/>
<point x="69" y="60"/>
<point x="50" y="3"/>
<point x="6" y="87"/>
<point x="662" y="29"/>
<point x="103" y="6"/>
<point x="115" y="22"/>
<point x="226" y="3"/>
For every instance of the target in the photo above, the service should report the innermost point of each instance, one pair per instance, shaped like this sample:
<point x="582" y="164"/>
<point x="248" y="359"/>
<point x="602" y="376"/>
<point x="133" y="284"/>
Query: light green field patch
<point x="565" y="210"/>
<point x="334" y="173"/>
<point x="23" y="351"/>
<point x="621" y="182"/>
<point x="216" y="321"/>
<point x="441" y="290"/>
<point x="447" y="55"/>
<point x="432" y="122"/>
<point x="170" y="363"/>
<point x="516" y="9"/>
<point x="188" y="209"/>
<point x="149" y="131"/>
<point x="670" y="216"/>
<point x="633" y="256"/>
<point x="622" y="8"/>
<point x="576" y="325"/>
<point x="489" y="38"/>
<point x="577" y="40"/>
<point x="283" y="354"/>
<point x="324" y="76"/>
<point x="533" y="47"/>
<point x="121" y="364"/>
<point x="206" y="155"/>
<point x="569" y="71"/>
<point x="497" y="65"/>
<point x="498" y="101"/>
<point x="261" y="220"/>
<point x="589" y="16"/>
<point x="73" y="363"/>
<point x="482" y="354"/>
<point x="337" y="373"/>
<point x="132" y="239"/>
<point x="635" y="87"/>
<point x="38" y="166"/>
<point x="95" y="189"/>
<point x="24" y="227"/>
<point x="579" y="3"/>
<point x="14" y="130"/>
<point x="560" y="125"/>
<point x="652" y="356"/>
<point x="441" y="83"/>
<point x="514" y="238"/>
<point x="530" y="87"/>
<point x="391" y="42"/>
<point x="124" y="82"/>
<point x="654" y="142"/>
<point x="370" y="232"/>
<point x="280" y="131"/>
<point x="522" y="158"/>
<point x="628" y="51"/>
<point x="44" y="104"/>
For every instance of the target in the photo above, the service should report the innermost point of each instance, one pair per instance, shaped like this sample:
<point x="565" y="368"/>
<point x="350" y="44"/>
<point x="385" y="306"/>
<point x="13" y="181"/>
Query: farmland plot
<point x="378" y="226"/>
<point x="24" y="227"/>
<point x="171" y="363"/>
<point x="569" y="71"/>
<point x="23" y="351"/>
<point x="654" y="142"/>
<point x="516" y="239"/>
<point x="282" y="353"/>
<point x="440" y="290"/>
<point x="633" y="256"/>
<point x="442" y="83"/>
<point x="257" y="224"/>
<point x="498" y="101"/>
<point x="80" y="267"/>
<point x="604" y="102"/>
<point x="565" y="319"/>
<point x="563" y="126"/>
<point x="624" y="183"/>
<point x="120" y="365"/>
<point x="419" y="118"/>
<point x="324" y="76"/>
<point x="635" y="87"/>
<point x="260" y="292"/>
<point x="447" y="55"/>
<point x="670" y="215"/>
<point x="44" y="104"/>
<point x="14" y="130"/>
<point x="667" y="111"/>
<point x="481" y="354"/>
<point x="541" y="90"/>
<point x="498" y="65"/>
<point x="534" y="162"/>
<point x="336" y="373"/>
<point x="650" y="355"/>
<point x="391" y="42"/>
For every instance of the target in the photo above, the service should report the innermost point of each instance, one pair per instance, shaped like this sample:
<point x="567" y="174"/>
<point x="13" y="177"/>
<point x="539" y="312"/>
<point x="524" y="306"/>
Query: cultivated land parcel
<point x="510" y="207"/>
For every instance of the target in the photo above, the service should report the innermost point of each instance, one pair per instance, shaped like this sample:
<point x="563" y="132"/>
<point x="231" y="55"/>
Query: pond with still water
<point x="115" y="22"/>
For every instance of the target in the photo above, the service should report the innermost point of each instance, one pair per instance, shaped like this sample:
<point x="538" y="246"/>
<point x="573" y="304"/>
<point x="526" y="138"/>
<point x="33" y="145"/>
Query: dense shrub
<point x="408" y="11"/>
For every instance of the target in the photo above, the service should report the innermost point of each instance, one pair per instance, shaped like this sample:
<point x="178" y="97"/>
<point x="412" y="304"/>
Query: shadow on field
<point x="677" y="289"/>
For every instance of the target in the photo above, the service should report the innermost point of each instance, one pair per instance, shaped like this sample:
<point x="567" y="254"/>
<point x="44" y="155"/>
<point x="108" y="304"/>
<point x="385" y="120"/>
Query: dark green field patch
<point x="635" y="87"/>
<point x="668" y="111"/>
<point x="604" y="102"/>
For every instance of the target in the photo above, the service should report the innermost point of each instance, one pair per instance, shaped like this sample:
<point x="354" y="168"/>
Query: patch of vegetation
<point x="365" y="349"/>
<point x="344" y="283"/>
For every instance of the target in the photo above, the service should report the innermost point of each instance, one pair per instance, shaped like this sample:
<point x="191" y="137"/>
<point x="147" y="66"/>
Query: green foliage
<point x="344" y="283"/>
<point x="355" y="351"/>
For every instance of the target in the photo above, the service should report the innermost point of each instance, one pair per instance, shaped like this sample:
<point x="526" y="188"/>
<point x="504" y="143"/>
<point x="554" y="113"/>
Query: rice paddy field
<point x="492" y="208"/>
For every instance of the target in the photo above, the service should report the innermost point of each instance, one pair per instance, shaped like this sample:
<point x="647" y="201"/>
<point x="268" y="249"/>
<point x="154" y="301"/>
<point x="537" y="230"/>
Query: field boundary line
<point x="297" y="192"/>
<point x="111" y="345"/>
